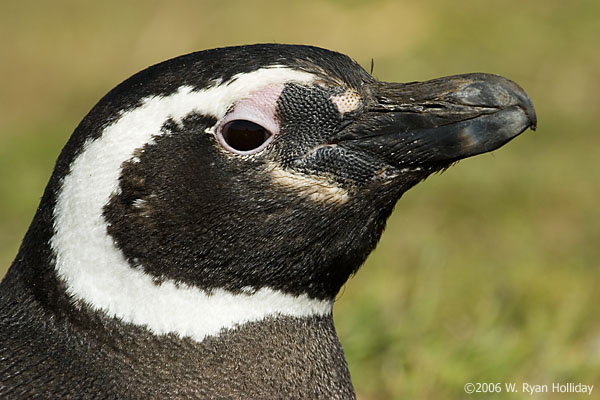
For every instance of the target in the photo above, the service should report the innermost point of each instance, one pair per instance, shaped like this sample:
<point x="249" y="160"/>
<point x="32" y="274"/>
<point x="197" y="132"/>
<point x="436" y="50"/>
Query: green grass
<point x="486" y="273"/>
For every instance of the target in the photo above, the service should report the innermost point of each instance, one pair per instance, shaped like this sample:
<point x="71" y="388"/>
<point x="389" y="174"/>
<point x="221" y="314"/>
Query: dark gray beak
<point x="435" y="123"/>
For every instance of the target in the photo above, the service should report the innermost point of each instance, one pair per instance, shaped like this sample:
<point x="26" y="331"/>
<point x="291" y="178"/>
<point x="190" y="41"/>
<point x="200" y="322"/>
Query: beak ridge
<point x="440" y="121"/>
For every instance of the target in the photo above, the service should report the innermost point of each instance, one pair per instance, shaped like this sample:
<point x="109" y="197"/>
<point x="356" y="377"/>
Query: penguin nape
<point x="203" y="216"/>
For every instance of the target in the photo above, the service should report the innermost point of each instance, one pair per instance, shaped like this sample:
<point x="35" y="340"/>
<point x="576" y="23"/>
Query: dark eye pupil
<point x="244" y="135"/>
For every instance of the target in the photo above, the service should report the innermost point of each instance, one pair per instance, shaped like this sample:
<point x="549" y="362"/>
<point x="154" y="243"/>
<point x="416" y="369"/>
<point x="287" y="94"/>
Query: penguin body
<point x="203" y="216"/>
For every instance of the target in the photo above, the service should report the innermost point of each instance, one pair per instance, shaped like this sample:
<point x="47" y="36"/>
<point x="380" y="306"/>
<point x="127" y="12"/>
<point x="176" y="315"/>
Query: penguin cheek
<point x="348" y="168"/>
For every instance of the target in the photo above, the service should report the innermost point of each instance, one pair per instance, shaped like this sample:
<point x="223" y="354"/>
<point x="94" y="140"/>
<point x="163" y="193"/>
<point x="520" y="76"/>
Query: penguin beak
<point x="434" y="123"/>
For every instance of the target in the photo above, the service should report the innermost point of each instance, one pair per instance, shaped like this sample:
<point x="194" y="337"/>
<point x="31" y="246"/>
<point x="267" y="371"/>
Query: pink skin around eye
<point x="259" y="107"/>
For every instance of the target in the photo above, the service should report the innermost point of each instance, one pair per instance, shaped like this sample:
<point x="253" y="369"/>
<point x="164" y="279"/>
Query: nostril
<point x="433" y="106"/>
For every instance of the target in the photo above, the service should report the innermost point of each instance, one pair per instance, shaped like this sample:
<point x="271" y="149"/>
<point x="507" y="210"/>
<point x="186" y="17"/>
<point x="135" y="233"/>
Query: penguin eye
<point x="242" y="136"/>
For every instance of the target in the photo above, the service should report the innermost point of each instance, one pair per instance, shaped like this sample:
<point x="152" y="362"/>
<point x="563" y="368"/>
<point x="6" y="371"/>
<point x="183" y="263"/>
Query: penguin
<point x="204" y="214"/>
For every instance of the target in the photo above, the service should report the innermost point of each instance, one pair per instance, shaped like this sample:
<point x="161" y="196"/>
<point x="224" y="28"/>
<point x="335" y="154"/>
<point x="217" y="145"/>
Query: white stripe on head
<point x="96" y="272"/>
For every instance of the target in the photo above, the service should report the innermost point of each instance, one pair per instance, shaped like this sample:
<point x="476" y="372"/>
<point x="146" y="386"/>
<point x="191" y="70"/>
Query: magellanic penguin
<point x="203" y="216"/>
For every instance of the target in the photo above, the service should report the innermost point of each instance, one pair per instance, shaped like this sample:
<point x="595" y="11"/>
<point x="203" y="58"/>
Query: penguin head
<point x="255" y="168"/>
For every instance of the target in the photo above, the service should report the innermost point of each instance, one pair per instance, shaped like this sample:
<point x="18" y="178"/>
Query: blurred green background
<point x="486" y="273"/>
